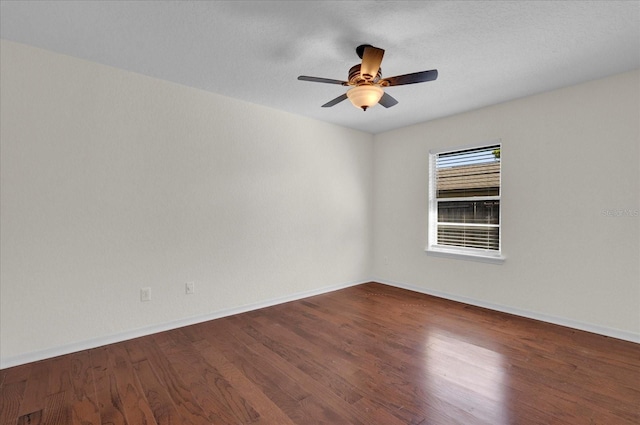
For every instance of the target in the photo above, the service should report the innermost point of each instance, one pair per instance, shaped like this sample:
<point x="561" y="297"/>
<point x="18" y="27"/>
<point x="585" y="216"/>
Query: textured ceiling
<point x="486" y="52"/>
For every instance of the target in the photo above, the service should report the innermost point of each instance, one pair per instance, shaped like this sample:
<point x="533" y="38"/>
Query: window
<point x="464" y="202"/>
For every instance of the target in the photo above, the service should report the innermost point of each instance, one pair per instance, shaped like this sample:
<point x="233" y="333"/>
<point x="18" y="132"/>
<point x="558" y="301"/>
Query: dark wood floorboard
<point x="366" y="355"/>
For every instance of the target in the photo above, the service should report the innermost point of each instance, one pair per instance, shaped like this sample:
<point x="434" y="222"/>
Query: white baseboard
<point x="562" y="321"/>
<point x="149" y="330"/>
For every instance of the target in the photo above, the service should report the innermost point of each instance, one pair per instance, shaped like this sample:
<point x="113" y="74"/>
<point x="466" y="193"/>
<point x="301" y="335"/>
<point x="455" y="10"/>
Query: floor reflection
<point x="467" y="377"/>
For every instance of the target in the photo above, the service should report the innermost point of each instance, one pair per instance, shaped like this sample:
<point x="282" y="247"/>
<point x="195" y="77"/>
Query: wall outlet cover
<point x="145" y="294"/>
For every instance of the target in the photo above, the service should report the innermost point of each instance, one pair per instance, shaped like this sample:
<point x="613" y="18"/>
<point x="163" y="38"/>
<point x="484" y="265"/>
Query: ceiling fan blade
<point x="335" y="101"/>
<point x="371" y="60"/>
<point x="416" y="77"/>
<point x="322" y="80"/>
<point x="387" y="100"/>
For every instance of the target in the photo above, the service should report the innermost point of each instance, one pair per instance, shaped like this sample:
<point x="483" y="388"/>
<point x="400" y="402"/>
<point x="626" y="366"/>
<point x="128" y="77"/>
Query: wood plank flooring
<point x="370" y="354"/>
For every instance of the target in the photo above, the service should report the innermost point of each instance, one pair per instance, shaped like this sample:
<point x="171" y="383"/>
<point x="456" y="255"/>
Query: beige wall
<point x="570" y="163"/>
<point x="112" y="181"/>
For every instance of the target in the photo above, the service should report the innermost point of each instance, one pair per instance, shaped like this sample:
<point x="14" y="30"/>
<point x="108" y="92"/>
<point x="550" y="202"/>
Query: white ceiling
<point x="486" y="52"/>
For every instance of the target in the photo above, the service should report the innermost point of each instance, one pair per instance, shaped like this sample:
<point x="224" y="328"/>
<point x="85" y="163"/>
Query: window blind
<point x="467" y="186"/>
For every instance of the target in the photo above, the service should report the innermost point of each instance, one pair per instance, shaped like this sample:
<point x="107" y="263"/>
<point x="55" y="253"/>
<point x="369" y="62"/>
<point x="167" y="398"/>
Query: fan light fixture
<point x="366" y="82"/>
<point x="365" y="96"/>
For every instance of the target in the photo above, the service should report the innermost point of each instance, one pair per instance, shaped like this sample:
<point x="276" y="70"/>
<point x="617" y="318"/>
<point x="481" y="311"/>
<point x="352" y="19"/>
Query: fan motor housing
<point x="355" y="79"/>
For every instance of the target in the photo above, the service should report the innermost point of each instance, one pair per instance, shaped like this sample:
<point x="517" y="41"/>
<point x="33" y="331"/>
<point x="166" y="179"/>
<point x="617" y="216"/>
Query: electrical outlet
<point x="386" y="261"/>
<point x="190" y="288"/>
<point x="145" y="294"/>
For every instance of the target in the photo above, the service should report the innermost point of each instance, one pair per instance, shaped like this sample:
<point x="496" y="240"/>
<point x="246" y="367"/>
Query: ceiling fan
<point x="366" y="80"/>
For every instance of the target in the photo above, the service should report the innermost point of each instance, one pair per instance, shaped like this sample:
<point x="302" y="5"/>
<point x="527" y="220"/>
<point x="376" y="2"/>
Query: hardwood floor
<point x="370" y="354"/>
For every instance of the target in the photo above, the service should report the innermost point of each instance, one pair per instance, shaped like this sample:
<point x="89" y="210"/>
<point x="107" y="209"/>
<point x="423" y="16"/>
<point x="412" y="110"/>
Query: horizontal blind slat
<point x="470" y="237"/>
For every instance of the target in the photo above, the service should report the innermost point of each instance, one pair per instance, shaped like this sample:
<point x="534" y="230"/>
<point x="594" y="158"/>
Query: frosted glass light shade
<point x="365" y="96"/>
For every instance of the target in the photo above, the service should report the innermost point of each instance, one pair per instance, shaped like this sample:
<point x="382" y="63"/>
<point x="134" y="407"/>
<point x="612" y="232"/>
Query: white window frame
<point x="465" y="253"/>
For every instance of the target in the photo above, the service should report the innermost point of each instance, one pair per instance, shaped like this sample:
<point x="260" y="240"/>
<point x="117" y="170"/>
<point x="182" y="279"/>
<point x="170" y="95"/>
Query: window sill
<point x="470" y="256"/>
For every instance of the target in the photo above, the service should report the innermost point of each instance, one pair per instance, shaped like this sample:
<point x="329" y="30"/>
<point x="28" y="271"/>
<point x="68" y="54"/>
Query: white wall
<point x="113" y="181"/>
<point x="570" y="157"/>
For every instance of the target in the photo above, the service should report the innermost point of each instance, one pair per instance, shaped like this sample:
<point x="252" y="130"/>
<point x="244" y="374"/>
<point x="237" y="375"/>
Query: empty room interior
<point x="358" y="212"/>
